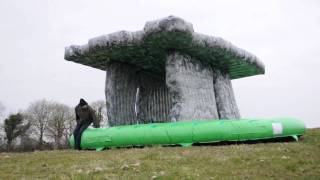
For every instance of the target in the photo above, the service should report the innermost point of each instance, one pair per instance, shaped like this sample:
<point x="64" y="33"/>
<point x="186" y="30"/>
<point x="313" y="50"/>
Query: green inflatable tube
<point x="186" y="133"/>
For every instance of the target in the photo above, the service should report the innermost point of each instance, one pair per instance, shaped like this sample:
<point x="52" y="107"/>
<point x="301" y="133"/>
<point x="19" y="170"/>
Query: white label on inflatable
<point x="277" y="128"/>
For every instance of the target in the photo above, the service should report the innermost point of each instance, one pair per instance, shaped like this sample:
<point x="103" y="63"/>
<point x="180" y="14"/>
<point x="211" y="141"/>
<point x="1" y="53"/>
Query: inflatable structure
<point x="166" y="72"/>
<point x="188" y="133"/>
<point x="166" y="76"/>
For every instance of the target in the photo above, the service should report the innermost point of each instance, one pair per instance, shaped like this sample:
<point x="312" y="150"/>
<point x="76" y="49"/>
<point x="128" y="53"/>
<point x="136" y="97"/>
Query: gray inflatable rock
<point x="153" y="99"/>
<point x="167" y="72"/>
<point x="120" y="89"/>
<point x="191" y="87"/>
<point x="226" y="102"/>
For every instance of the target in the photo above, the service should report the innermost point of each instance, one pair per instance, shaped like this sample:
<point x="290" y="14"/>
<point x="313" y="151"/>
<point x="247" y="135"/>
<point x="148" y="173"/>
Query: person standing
<point x="85" y="115"/>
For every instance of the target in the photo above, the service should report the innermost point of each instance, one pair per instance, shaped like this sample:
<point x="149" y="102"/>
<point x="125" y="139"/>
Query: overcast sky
<point x="285" y="35"/>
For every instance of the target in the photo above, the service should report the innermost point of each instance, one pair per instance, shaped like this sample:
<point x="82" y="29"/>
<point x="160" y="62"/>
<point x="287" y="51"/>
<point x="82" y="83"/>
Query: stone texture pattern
<point x="170" y="23"/>
<point x="191" y="86"/>
<point x="154" y="102"/>
<point x="226" y="103"/>
<point x="171" y="85"/>
<point x="147" y="49"/>
<point x="120" y="90"/>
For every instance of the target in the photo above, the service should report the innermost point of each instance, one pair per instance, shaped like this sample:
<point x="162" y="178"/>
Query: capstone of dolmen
<point x="167" y="72"/>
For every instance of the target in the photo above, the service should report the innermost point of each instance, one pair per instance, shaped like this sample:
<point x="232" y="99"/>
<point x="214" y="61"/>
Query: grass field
<point x="286" y="160"/>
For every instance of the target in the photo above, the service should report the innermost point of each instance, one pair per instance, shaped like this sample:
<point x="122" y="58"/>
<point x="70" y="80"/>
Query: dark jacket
<point x="85" y="114"/>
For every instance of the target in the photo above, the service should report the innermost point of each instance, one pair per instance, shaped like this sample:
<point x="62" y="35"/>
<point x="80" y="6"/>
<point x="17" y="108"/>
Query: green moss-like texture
<point x="147" y="49"/>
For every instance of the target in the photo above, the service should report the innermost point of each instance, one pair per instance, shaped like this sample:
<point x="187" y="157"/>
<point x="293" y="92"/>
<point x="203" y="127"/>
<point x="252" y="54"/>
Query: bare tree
<point x="55" y="121"/>
<point x="101" y="111"/>
<point x="58" y="122"/>
<point x="70" y="123"/>
<point x="38" y="113"/>
<point x="14" y="127"/>
<point x="2" y="115"/>
<point x="2" y="111"/>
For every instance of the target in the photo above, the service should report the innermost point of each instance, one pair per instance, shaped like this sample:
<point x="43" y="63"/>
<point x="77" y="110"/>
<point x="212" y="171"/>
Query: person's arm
<point x="77" y="116"/>
<point x="94" y="118"/>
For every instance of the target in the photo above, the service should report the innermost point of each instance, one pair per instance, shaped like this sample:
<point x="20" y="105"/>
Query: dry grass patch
<point x="287" y="160"/>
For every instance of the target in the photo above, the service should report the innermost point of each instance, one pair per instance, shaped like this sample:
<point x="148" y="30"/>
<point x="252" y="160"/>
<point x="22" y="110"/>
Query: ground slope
<point x="289" y="160"/>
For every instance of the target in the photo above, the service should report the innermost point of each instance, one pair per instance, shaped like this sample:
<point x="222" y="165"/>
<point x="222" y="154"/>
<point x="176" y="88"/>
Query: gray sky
<point x="285" y="35"/>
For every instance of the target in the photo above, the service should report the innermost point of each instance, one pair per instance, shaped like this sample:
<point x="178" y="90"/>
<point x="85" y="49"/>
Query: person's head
<point x="82" y="102"/>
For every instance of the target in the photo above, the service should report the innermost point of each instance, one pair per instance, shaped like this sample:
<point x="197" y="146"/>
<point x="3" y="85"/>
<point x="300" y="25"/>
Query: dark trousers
<point x="77" y="133"/>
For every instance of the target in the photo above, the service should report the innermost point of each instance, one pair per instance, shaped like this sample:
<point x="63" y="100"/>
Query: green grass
<point x="286" y="160"/>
